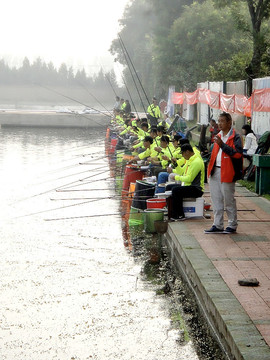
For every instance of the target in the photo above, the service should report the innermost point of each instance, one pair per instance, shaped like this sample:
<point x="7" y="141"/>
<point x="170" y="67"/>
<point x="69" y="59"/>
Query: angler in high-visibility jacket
<point x="127" y="127"/>
<point x="147" y="143"/>
<point x="225" y="167"/>
<point x="153" y="112"/>
<point x="175" y="156"/>
<point x="143" y="131"/>
<point x="159" y="162"/>
<point x="192" y="183"/>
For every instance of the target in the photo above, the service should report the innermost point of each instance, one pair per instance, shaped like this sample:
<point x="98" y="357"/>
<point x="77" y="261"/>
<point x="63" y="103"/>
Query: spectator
<point x="251" y="144"/>
<point x="153" y="112"/>
<point x="225" y="167"/>
<point x="214" y="130"/>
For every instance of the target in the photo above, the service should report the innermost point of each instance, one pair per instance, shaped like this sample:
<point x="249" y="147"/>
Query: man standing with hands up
<point x="225" y="167"/>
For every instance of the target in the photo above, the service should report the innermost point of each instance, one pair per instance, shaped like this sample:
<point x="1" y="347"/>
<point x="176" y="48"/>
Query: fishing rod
<point x="81" y="217"/>
<point x="57" y="170"/>
<point x="83" y="86"/>
<point x="124" y="53"/>
<point x="73" y="165"/>
<point x="89" y="182"/>
<point x="66" y="176"/>
<point x="84" y="189"/>
<point x="129" y="94"/>
<point x="108" y="79"/>
<point x="58" y="208"/>
<point x="93" y="198"/>
<point x="109" y="197"/>
<point x="56" y="189"/>
<point x="134" y="69"/>
<point x="79" y="102"/>
<point x="66" y="186"/>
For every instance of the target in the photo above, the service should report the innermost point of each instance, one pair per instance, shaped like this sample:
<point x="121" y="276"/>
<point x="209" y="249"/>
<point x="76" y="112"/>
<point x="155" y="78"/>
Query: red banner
<point x="261" y="100"/>
<point x="191" y="98"/>
<point x="177" y="98"/>
<point x="234" y="103"/>
<point x="227" y="103"/>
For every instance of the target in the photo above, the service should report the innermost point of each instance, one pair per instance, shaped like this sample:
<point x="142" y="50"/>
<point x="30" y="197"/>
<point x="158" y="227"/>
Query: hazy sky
<point x="77" y="32"/>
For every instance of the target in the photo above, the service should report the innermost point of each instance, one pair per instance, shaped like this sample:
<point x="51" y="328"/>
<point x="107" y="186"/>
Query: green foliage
<point x="183" y="42"/>
<point x="230" y="69"/>
<point x="254" y="25"/>
<point x="201" y="37"/>
<point x="136" y="35"/>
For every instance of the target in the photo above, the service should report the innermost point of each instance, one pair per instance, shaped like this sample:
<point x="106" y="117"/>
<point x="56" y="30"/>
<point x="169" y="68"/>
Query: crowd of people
<point x="160" y="143"/>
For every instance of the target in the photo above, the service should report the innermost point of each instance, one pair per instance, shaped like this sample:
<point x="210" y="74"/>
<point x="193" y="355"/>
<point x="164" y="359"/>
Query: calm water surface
<point x="69" y="289"/>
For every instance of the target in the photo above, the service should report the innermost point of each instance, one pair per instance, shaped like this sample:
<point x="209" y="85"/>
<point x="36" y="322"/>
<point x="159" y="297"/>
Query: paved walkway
<point x="245" y="254"/>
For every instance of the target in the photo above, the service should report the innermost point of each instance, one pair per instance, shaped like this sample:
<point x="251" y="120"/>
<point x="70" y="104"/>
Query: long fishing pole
<point x="74" y="174"/>
<point x="57" y="188"/>
<point x="108" y="79"/>
<point x="124" y="53"/>
<point x="81" y="217"/>
<point x="130" y="95"/>
<point x="94" y="97"/>
<point x="58" y="208"/>
<point x="134" y="70"/>
<point x="60" y="188"/>
<point x="127" y="92"/>
<point x="90" y="162"/>
<point x="79" y="102"/>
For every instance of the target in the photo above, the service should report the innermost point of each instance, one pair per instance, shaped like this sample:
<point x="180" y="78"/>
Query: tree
<point x="259" y="12"/>
<point x="137" y="37"/>
<point x="201" y="37"/>
<point x="63" y="73"/>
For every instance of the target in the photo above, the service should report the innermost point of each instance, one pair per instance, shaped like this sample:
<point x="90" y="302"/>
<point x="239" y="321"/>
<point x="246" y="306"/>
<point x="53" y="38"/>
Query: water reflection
<point x="70" y="289"/>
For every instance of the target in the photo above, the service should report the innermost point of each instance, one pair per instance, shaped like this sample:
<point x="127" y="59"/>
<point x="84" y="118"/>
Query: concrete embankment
<point x="212" y="265"/>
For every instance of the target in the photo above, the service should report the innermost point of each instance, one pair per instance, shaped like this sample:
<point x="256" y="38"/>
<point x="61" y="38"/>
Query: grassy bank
<point x="250" y="185"/>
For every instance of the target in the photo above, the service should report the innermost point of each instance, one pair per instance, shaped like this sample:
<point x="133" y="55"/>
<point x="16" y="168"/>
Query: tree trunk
<point x="257" y="13"/>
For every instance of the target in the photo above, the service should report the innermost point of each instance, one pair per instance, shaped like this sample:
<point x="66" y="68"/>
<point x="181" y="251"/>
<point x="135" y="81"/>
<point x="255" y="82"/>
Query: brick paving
<point x="245" y="254"/>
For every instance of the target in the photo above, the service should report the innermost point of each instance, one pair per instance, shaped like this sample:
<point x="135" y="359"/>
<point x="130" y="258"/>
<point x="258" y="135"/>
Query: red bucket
<point x="113" y="145"/>
<point x="156" y="203"/>
<point x="131" y="175"/>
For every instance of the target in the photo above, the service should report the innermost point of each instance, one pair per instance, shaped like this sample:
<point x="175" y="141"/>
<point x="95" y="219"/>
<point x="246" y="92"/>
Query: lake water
<point x="69" y="289"/>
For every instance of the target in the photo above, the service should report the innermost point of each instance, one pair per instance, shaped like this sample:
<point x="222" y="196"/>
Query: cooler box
<point x="193" y="207"/>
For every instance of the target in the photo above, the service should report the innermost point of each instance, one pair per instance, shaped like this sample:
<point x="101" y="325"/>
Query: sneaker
<point x="181" y="218"/>
<point x="229" y="230"/>
<point x="214" y="230"/>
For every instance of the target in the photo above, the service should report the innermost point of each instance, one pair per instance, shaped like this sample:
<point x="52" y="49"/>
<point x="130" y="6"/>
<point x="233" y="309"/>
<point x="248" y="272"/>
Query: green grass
<point x="178" y="322"/>
<point x="250" y="185"/>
